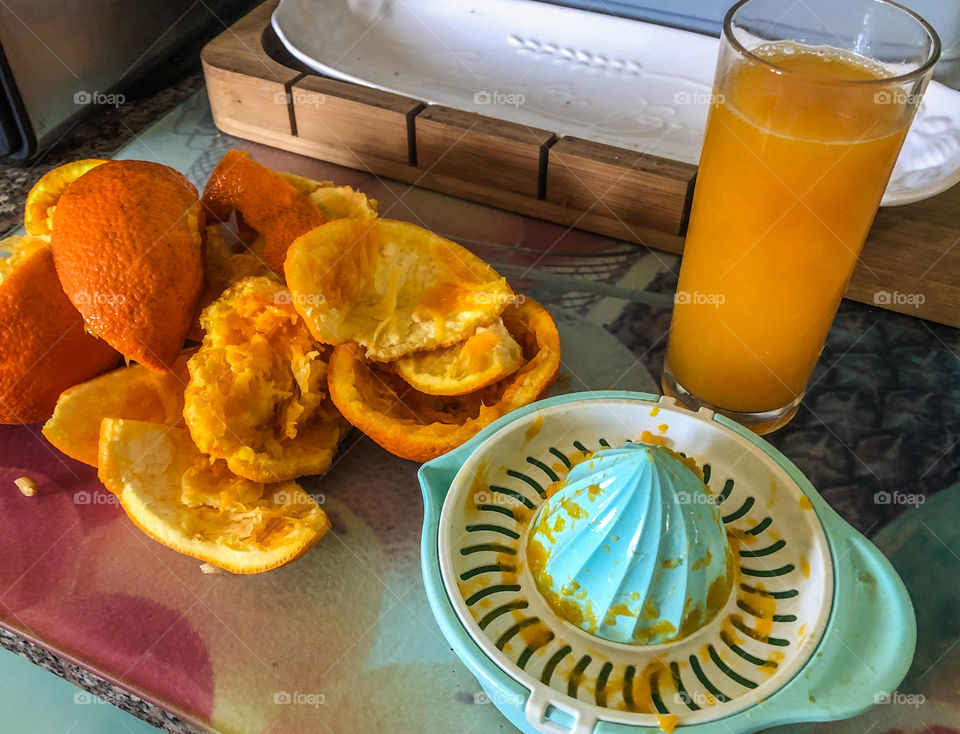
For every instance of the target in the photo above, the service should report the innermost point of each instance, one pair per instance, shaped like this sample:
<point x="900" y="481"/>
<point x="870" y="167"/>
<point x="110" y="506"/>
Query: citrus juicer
<point x="631" y="547"/>
<point x="801" y="618"/>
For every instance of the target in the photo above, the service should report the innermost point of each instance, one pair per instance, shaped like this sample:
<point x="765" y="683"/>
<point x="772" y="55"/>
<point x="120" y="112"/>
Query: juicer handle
<point x="538" y="706"/>
<point x="867" y="647"/>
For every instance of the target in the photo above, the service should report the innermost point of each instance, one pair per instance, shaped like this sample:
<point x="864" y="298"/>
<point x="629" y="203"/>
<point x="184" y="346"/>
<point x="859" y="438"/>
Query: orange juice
<point x="792" y="171"/>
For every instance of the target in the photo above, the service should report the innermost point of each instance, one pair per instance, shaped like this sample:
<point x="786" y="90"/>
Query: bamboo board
<point x="910" y="263"/>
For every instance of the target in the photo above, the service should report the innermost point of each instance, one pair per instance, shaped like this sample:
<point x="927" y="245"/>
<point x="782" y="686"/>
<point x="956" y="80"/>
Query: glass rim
<point x="728" y="36"/>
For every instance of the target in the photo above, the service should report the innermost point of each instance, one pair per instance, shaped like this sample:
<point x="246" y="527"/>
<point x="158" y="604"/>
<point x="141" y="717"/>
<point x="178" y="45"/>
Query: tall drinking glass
<point x="811" y="103"/>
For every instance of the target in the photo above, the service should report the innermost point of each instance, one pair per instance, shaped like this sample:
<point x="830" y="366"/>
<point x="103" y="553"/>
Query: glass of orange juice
<point x="810" y="105"/>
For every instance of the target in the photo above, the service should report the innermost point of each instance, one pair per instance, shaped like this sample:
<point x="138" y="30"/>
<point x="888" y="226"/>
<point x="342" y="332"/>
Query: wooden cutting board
<point x="910" y="263"/>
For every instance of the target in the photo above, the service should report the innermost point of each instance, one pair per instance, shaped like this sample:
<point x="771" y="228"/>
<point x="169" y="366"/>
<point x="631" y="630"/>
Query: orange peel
<point x="128" y="250"/>
<point x="46" y="192"/>
<point x="486" y="356"/>
<point x="392" y="287"/>
<point x="267" y="202"/>
<point x="420" y="427"/>
<point x="44" y="348"/>
<point x="178" y="497"/>
<point x="256" y="396"/>
<point x="335" y="202"/>
<point x="133" y="392"/>
<point x="221" y="269"/>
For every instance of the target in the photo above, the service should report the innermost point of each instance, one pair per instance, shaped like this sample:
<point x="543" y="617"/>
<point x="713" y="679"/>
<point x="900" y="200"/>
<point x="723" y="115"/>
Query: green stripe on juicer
<point x="631" y="547"/>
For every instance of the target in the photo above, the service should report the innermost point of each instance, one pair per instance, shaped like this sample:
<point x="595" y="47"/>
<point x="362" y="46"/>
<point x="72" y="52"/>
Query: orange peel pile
<point x="313" y="313"/>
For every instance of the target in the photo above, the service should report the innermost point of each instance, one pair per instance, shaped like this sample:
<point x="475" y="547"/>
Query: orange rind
<point x="132" y="392"/>
<point x="486" y="356"/>
<point x="46" y="192"/>
<point x="420" y="427"/>
<point x="391" y="287"/>
<point x="335" y="202"/>
<point x="127" y="246"/>
<point x="14" y="250"/>
<point x="223" y="267"/>
<point x="268" y="203"/>
<point x="44" y="348"/>
<point x="257" y="393"/>
<point x="178" y="497"/>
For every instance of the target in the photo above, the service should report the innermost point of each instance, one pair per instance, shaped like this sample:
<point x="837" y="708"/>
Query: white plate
<point x="623" y="82"/>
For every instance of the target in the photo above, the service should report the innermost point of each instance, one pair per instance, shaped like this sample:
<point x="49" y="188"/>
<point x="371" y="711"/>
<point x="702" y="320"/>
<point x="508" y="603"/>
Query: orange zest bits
<point x="178" y="497"/>
<point x="133" y="392"/>
<point x="127" y="246"/>
<point x="269" y="204"/>
<point x="421" y="427"/>
<point x="391" y="287"/>
<point x="44" y="348"/>
<point x="256" y="396"/>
